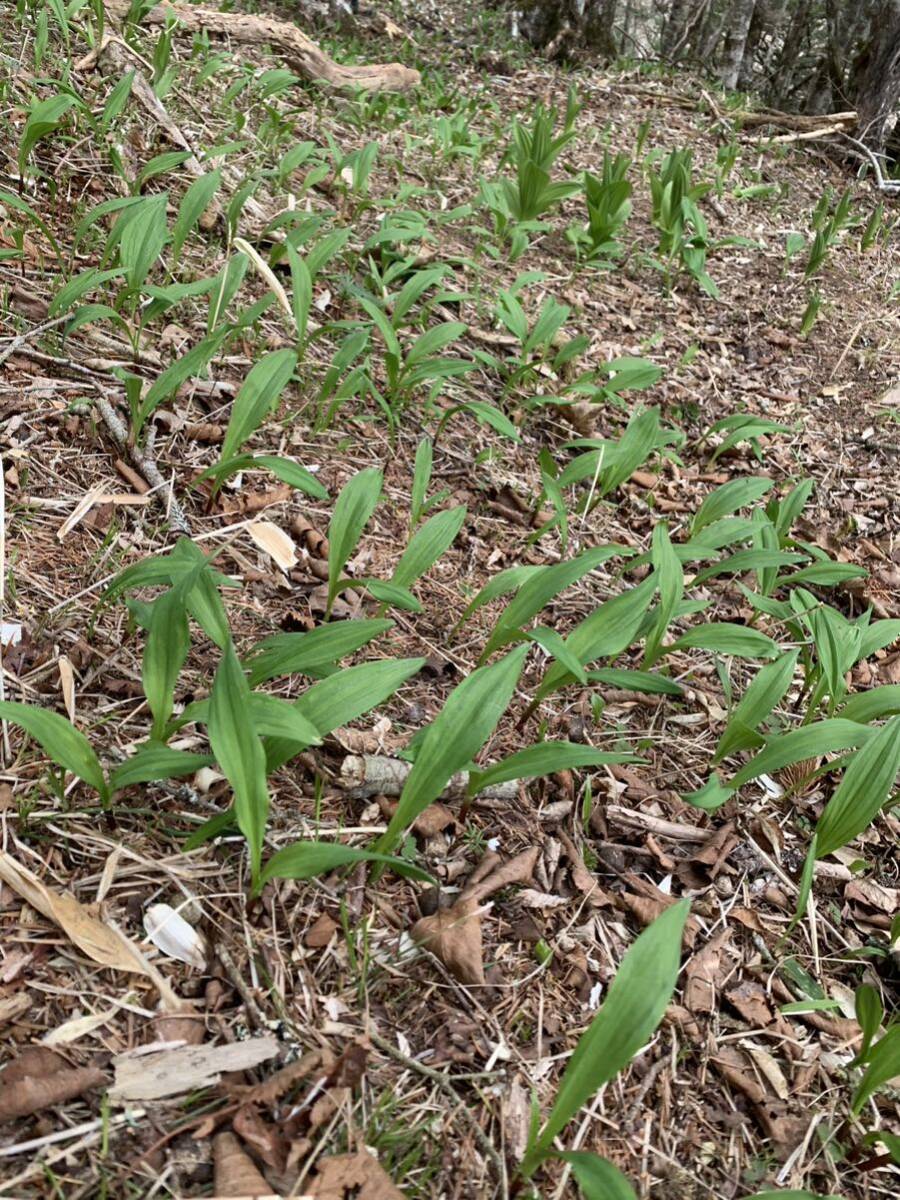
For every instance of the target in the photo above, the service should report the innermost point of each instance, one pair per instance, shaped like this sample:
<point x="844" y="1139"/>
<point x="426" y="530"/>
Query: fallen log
<point x="300" y="52"/>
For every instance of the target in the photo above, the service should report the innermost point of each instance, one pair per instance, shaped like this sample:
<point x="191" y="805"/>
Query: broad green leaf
<point x="155" y="760"/>
<point x="427" y="545"/>
<point x="763" y="695"/>
<point x="433" y="340"/>
<point x="44" y="117"/>
<point x="421" y="478"/>
<point x="301" y="291"/>
<point x="725" y="638"/>
<point x="386" y="591"/>
<point x="544" y="758"/>
<point x="635" y="681"/>
<point x="60" y="740"/>
<point x="193" y="205"/>
<point x="284" y="469"/>
<point x="877" y="636"/>
<point x="239" y="753"/>
<point x="273" y="717"/>
<point x="343" y="697"/>
<point x="501" y="585"/>
<point x="303" y="653"/>
<point x="555" y="645"/>
<point x="790" y="1194"/>
<point x="824" y="574"/>
<point x="79" y="285"/>
<point x="884" y="1067"/>
<point x="537" y="592"/>
<point x="257" y="398"/>
<point x="872" y="705"/>
<point x="809" y="741"/>
<point x="221" y="823"/>
<point x="460" y="729"/>
<point x="747" y="560"/>
<point x="167" y="646"/>
<point x="598" y="1178"/>
<point x="608" y="631"/>
<point x="352" y="511"/>
<point x="180" y="371"/>
<point x="143" y="239"/>
<point x="711" y="796"/>
<point x="727" y="499"/>
<point x="306" y="860"/>
<point x="635" y="1003"/>
<point x="866" y="785"/>
<point x="869" y="1015"/>
<point x="670" y="574"/>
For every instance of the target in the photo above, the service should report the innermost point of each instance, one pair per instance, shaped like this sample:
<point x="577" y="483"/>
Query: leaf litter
<point x="322" y="963"/>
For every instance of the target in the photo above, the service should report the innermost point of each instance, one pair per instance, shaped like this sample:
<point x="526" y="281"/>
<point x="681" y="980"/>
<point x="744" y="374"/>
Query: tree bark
<point x="674" y="29"/>
<point x="739" y="19"/>
<point x="878" y="84"/>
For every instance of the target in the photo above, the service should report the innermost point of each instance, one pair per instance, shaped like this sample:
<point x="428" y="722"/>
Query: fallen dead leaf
<point x="702" y="974"/>
<point x="39" y="1078"/>
<point x="152" y="1075"/>
<point x="359" y="1175"/>
<point x="581" y="876"/>
<point x="235" y="1174"/>
<point x="95" y="938"/>
<point x="275" y="542"/>
<point x="454" y="936"/>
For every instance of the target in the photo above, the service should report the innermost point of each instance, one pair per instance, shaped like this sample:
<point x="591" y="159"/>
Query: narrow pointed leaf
<point x="455" y="736"/>
<point x="61" y="741"/>
<point x="545" y="758"/>
<point x="306" y="860"/>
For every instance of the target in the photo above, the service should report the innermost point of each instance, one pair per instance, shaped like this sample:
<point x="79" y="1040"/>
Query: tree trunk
<point x="562" y="26"/>
<point x="879" y="81"/>
<point x="674" y="29"/>
<point x="760" y="21"/>
<point x="739" y="19"/>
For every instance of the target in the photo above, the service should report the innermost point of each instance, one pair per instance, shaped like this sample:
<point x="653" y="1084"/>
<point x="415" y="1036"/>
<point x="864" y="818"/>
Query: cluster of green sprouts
<point x="396" y="345"/>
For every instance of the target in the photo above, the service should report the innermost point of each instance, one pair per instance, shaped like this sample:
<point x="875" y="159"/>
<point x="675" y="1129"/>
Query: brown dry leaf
<point x="874" y="895"/>
<point x="750" y="1000"/>
<point x="485" y="882"/>
<point x="39" y="1078"/>
<point x="732" y="1065"/>
<point x="315" y="542"/>
<point x="428" y="824"/>
<point x="151" y="1076"/>
<point x="275" y="542"/>
<point x="704" y="864"/>
<point x="702" y="974"/>
<point x="265" y="1139"/>
<point x="770" y="1069"/>
<point x="269" y="1092"/>
<point x="581" y="876"/>
<point x="320" y="932"/>
<point x="95" y="938"/>
<point x="235" y="1174"/>
<point x="358" y="1176"/>
<point x="454" y="936"/>
<point x="256" y="501"/>
<point x="650" y="902"/>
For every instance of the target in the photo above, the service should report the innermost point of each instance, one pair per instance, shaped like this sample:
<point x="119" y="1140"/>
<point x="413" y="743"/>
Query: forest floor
<point x="368" y="1046"/>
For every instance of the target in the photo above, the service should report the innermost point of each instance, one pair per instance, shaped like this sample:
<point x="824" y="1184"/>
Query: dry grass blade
<point x="99" y="941"/>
